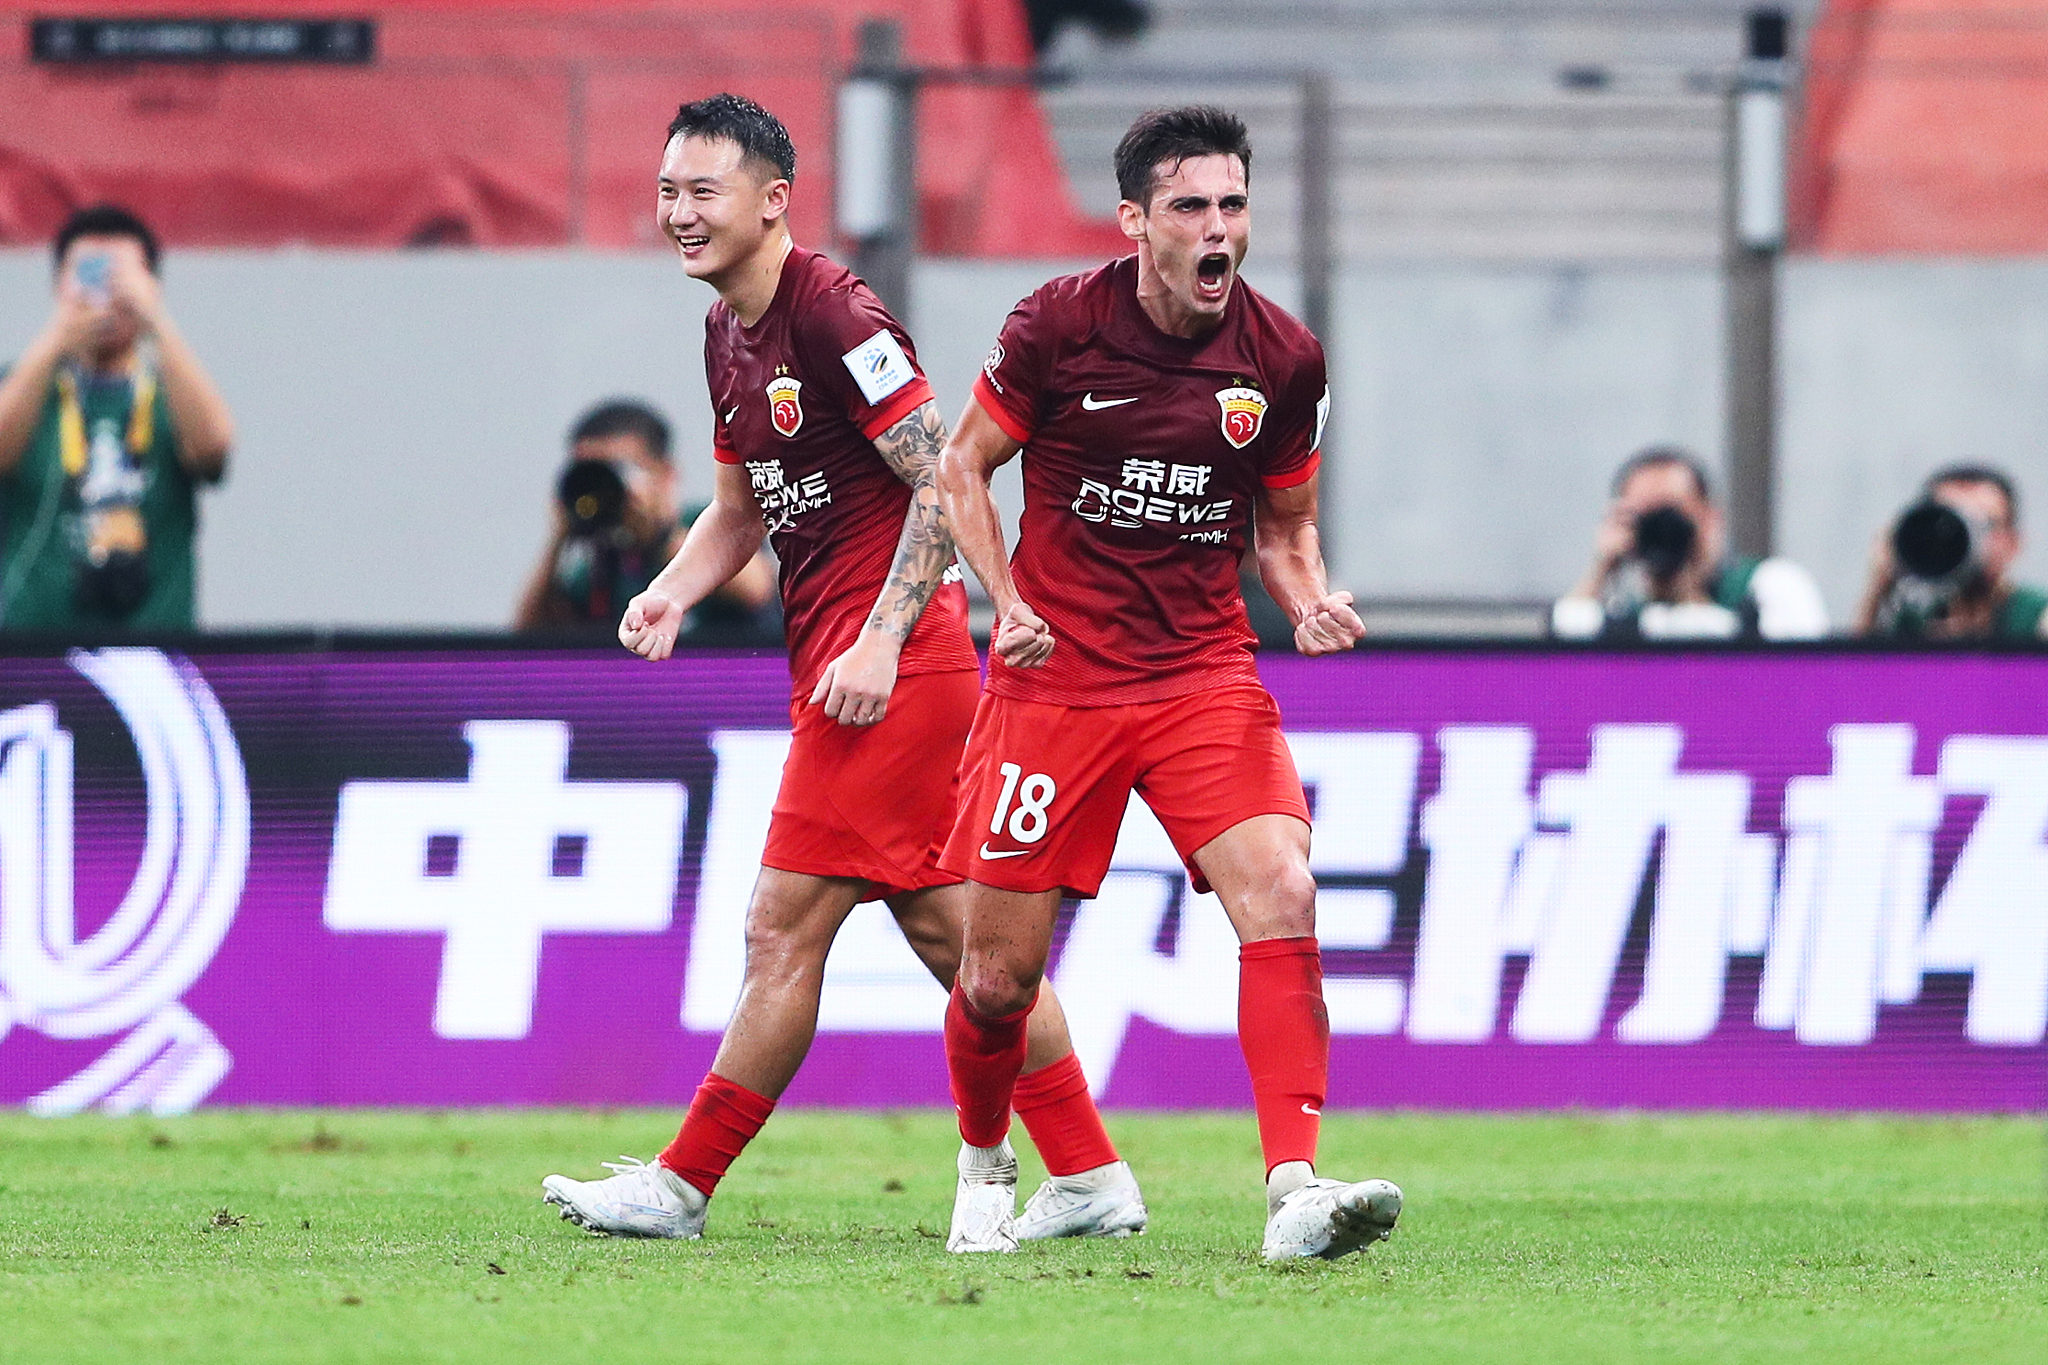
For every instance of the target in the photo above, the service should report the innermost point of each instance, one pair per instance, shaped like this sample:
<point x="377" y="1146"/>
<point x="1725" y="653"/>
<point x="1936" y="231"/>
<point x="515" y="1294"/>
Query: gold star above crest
<point x="781" y="370"/>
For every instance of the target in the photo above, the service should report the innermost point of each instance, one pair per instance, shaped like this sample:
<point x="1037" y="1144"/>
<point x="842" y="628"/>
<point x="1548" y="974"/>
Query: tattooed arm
<point x="855" y="686"/>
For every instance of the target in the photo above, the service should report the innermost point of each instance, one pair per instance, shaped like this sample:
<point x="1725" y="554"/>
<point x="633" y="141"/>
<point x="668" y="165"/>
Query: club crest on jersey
<point x="785" y="407"/>
<point x="1244" y="412"/>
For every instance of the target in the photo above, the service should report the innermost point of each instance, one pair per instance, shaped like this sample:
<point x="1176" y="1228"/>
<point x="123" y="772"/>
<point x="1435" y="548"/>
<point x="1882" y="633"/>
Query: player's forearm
<point x="199" y="415"/>
<point x="923" y="553"/>
<point x="977" y="529"/>
<point x="1291" y="567"/>
<point x="22" y="395"/>
<point x="925" y="549"/>
<point x="721" y="543"/>
<point x="753" y="587"/>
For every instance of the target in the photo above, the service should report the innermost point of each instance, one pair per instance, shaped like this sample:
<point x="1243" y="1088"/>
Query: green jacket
<point x="2018" y="618"/>
<point x="43" y="519"/>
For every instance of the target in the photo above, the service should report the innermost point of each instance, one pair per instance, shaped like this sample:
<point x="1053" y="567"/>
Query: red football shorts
<point x="1044" y="787"/>
<point x="875" y="801"/>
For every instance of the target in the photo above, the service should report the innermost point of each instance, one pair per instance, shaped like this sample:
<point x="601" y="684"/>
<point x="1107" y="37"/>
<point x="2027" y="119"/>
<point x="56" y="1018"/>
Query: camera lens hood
<point x="1664" y="541"/>
<point x="593" y="495"/>
<point x="1934" y="543"/>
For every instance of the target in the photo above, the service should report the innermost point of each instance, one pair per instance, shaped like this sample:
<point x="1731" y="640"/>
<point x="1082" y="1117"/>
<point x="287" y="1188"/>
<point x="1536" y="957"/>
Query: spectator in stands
<point x="108" y="425"/>
<point x="1661" y="570"/>
<point x="618" y="519"/>
<point x="1944" y="569"/>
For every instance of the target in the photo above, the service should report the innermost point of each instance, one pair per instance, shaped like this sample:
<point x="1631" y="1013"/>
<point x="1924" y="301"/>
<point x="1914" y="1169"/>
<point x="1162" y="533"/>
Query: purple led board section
<point x="457" y="875"/>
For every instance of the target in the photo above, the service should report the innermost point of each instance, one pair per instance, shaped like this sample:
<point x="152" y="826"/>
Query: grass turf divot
<point x="359" y="1236"/>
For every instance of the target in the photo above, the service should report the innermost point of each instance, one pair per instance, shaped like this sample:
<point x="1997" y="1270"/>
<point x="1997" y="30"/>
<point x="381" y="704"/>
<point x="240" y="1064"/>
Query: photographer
<point x="1942" y="570"/>
<point x="1660" y="570"/>
<point x="108" y="424"/>
<point x="618" y="518"/>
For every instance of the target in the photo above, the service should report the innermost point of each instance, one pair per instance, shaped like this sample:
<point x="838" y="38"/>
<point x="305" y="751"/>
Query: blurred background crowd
<point x="1661" y="319"/>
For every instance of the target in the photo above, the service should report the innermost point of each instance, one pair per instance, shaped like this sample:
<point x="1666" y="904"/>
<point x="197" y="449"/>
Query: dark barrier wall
<point x="483" y="875"/>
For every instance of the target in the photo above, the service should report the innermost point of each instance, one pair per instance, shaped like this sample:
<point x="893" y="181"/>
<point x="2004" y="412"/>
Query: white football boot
<point x="985" y="1201"/>
<point x="639" y="1199"/>
<point x="1104" y="1202"/>
<point x="1329" y="1218"/>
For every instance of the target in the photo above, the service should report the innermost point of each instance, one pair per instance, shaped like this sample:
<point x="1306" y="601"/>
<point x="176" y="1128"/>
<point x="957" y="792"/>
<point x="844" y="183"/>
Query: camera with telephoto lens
<point x="593" y="497"/>
<point x="1938" y="550"/>
<point x="1663" y="541"/>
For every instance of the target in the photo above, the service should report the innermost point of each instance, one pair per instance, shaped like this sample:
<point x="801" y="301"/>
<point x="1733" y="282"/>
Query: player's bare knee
<point x="995" y="989"/>
<point x="1284" y="908"/>
<point x="1294" y="901"/>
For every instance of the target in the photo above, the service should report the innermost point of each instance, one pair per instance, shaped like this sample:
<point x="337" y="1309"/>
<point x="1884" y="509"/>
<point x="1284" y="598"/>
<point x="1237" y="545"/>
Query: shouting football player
<point x="1163" y="408"/>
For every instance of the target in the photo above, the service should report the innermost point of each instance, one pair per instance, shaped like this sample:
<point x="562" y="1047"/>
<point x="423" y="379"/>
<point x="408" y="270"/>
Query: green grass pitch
<point x="401" y="1236"/>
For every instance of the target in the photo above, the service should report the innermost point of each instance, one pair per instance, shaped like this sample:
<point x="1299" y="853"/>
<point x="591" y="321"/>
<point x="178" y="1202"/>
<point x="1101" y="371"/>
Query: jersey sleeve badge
<point x="1244" y="412"/>
<point x="879" y="366"/>
<point x="785" y="404"/>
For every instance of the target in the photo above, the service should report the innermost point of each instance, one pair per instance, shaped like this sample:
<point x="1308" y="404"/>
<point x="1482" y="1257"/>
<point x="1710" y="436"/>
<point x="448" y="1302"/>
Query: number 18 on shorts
<point x="1021" y="809"/>
<point x="1044" y="787"/>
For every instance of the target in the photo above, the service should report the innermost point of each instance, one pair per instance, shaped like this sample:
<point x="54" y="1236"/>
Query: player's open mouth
<point x="1212" y="276"/>
<point x="692" y="244"/>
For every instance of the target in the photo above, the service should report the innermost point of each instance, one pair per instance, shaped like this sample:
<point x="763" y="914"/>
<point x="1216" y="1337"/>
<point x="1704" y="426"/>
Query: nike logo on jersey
<point x="991" y="855"/>
<point x="1312" y="1113"/>
<point x="730" y="415"/>
<point x="1091" y="404"/>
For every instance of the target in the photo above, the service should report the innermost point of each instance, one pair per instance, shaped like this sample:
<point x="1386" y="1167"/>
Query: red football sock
<point x="1285" y="1033"/>
<point x="723" y="1119"/>
<point x="983" y="1059"/>
<point x="1054" y="1104"/>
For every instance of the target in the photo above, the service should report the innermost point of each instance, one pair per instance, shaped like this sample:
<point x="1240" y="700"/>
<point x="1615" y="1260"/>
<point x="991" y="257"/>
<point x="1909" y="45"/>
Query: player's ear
<point x="1131" y="218"/>
<point x="774" y="199"/>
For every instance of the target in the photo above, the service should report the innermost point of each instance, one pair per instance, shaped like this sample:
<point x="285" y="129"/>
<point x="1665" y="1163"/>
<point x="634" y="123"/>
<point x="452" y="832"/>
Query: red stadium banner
<point x="1921" y="133"/>
<point x="514" y="123"/>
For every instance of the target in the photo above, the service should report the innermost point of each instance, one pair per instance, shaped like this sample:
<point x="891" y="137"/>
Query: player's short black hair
<point x="1662" y="456"/>
<point x="759" y="135"/>
<point x="1979" y="473"/>
<point x="623" y="417"/>
<point x="1163" y="138"/>
<point x="105" y="220"/>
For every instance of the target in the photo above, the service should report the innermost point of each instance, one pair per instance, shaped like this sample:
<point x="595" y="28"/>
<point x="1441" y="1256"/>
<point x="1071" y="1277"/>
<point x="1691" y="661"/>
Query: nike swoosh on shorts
<point x="1089" y="403"/>
<point x="1013" y="853"/>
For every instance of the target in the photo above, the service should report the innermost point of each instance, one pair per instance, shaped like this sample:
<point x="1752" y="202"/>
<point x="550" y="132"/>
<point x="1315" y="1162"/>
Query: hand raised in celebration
<point x="650" y="625"/>
<point x="1328" y="625"/>
<point x="1022" y="639"/>
<point x="855" y="686"/>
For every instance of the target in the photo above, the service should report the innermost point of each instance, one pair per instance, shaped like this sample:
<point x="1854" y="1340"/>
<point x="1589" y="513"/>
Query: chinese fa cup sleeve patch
<point x="879" y="366"/>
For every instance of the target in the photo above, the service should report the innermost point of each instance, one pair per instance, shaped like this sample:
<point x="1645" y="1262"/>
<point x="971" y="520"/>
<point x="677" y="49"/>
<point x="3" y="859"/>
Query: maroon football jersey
<point x="1143" y="453"/>
<point x="798" y="399"/>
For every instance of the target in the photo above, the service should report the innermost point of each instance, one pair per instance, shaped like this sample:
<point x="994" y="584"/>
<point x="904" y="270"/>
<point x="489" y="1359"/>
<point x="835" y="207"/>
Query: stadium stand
<point x="1479" y="130"/>
<point x="512" y="123"/>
